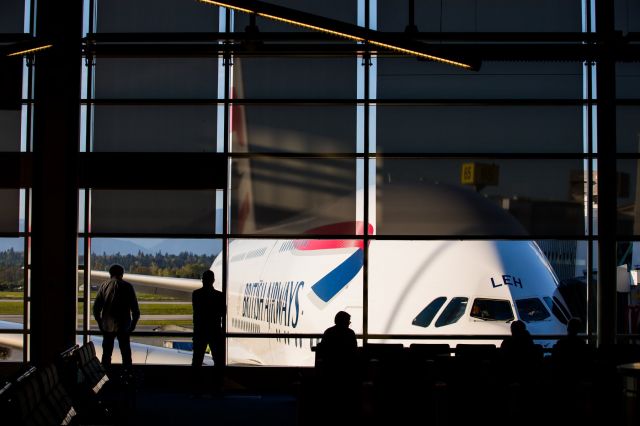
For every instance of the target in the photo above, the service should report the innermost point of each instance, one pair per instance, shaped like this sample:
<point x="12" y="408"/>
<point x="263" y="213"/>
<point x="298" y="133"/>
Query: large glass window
<point x="149" y="16"/>
<point x="396" y="189"/>
<point x="489" y="16"/>
<point x="479" y="197"/>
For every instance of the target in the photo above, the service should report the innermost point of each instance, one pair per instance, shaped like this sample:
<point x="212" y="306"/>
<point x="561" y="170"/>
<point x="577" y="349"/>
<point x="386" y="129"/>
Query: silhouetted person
<point x="519" y="354"/>
<point x="116" y="311"/>
<point x="337" y="349"/>
<point x="337" y="368"/>
<point x="208" y="311"/>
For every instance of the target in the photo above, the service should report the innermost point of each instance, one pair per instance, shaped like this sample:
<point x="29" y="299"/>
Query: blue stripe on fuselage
<point x="329" y="285"/>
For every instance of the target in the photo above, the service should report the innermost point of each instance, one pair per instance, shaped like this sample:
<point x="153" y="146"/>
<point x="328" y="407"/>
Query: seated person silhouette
<point x="570" y="353"/>
<point x="518" y="354"/>
<point x="337" y="371"/>
<point x="337" y="349"/>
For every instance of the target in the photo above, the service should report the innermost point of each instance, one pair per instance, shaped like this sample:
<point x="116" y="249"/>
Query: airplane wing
<point x="13" y="341"/>
<point x="186" y="285"/>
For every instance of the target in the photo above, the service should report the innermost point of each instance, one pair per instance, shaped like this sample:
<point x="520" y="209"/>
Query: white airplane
<point x="12" y="344"/>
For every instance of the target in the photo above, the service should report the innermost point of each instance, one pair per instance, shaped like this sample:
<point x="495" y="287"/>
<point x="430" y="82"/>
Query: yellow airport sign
<point x="479" y="174"/>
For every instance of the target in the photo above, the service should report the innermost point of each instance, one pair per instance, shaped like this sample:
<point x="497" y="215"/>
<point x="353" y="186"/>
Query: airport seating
<point x="37" y="397"/>
<point x="430" y="363"/>
<point x="92" y="376"/>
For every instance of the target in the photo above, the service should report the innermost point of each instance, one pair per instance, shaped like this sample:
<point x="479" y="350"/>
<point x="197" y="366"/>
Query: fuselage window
<point x="531" y="310"/>
<point x="555" y="310"/>
<point x="492" y="310"/>
<point x="453" y="312"/>
<point x="424" y="318"/>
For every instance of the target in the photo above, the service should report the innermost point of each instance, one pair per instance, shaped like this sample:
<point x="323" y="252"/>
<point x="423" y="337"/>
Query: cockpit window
<point x="564" y="308"/>
<point x="453" y="311"/>
<point x="492" y="310"/>
<point x="555" y="310"/>
<point x="424" y="318"/>
<point x="531" y="310"/>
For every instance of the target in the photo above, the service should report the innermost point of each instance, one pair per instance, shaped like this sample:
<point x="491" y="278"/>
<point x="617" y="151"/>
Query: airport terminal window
<point x="406" y="78"/>
<point x="151" y="16"/>
<point x="154" y="211"/>
<point x="453" y="312"/>
<point x="295" y="77"/>
<point x="493" y="16"/>
<point x="492" y="310"/>
<point x="418" y="196"/>
<point x="487" y="128"/>
<point x="531" y="310"/>
<point x="324" y="141"/>
<point x="154" y="128"/>
<point x="164" y="272"/>
<point x="342" y="10"/>
<point x="274" y="128"/>
<point x="292" y="196"/>
<point x="155" y="78"/>
<point x="424" y="318"/>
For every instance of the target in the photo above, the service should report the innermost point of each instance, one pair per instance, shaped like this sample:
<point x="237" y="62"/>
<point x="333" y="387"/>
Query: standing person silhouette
<point x="116" y="311"/>
<point x="208" y="312"/>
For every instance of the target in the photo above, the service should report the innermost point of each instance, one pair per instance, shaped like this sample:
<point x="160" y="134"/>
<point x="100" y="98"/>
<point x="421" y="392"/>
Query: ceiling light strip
<point x="32" y="50"/>
<point x="273" y="9"/>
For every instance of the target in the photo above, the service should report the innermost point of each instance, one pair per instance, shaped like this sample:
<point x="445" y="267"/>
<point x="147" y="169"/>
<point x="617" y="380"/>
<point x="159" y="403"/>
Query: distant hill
<point x="194" y="246"/>
<point x="165" y="246"/>
<point x="115" y="245"/>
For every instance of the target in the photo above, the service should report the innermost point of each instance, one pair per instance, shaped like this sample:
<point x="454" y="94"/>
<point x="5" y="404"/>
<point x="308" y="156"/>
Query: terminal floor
<point x="155" y="407"/>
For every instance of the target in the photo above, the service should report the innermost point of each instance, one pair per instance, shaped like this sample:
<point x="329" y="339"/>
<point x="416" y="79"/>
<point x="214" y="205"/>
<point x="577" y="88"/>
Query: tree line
<point x="183" y="265"/>
<point x="11" y="270"/>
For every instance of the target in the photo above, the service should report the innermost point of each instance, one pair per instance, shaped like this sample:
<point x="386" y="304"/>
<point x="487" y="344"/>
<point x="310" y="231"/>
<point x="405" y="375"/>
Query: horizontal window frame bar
<point x="425" y="36"/>
<point x="381" y="237"/>
<point x="337" y="101"/>
<point x="557" y="50"/>
<point x="369" y="336"/>
<point x="417" y="155"/>
<point x="175" y="236"/>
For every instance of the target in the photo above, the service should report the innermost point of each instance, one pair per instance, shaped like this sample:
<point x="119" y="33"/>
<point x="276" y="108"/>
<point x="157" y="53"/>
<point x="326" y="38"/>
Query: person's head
<point x="342" y="319"/>
<point x="116" y="271"/>
<point x="574" y="326"/>
<point x="518" y="328"/>
<point x="208" y="278"/>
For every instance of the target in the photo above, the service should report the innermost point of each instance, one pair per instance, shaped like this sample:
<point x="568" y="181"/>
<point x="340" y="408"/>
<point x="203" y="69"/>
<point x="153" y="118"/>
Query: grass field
<point x="142" y="297"/>
<point x="15" y="308"/>
<point x="11" y="295"/>
<point x="11" y="308"/>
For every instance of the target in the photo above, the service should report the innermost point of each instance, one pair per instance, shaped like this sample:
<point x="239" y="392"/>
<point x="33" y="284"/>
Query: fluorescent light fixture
<point x="336" y="28"/>
<point x="30" y="50"/>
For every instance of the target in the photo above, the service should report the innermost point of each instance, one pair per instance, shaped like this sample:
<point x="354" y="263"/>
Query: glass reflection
<point x="480" y="197"/>
<point x="277" y="196"/>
